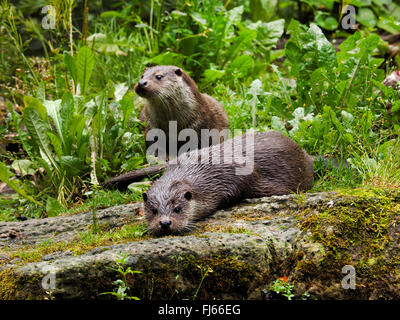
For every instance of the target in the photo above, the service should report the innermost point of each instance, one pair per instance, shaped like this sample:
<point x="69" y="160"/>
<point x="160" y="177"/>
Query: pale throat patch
<point x="174" y="102"/>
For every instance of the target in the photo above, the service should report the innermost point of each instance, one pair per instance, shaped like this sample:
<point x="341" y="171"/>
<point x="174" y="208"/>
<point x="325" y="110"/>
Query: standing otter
<point x="192" y="188"/>
<point x="171" y="95"/>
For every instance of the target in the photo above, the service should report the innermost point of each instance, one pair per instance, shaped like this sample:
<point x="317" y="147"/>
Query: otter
<point x="171" y="95"/>
<point x="193" y="188"/>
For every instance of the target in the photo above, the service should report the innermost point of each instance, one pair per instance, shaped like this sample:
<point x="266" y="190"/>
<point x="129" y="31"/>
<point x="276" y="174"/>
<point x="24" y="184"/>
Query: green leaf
<point x="23" y="167"/>
<point x="70" y="63"/>
<point x="66" y="113"/>
<point x="243" y="65"/>
<point x="277" y="124"/>
<point x="168" y="58"/>
<point x="234" y="17"/>
<point x="366" y="17"/>
<point x="324" y="20"/>
<point x="72" y="165"/>
<point x="6" y="175"/>
<point x="274" y="31"/>
<point x="199" y="19"/>
<point x="56" y="143"/>
<point x="53" y="110"/>
<point x="357" y="3"/>
<point x="111" y="14"/>
<point x="53" y="207"/>
<point x="262" y="9"/>
<point x="268" y="33"/>
<point x="389" y="25"/>
<point x="308" y="50"/>
<point x="120" y="91"/>
<point x="38" y="129"/>
<point x="246" y="36"/>
<point x="37" y="105"/>
<point x="210" y="75"/>
<point x="85" y="64"/>
<point x="396" y="106"/>
<point x="326" y="54"/>
<point x="127" y="108"/>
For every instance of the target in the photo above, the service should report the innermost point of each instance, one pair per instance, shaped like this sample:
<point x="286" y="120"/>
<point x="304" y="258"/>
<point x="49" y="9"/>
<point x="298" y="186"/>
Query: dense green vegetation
<point x="69" y="116"/>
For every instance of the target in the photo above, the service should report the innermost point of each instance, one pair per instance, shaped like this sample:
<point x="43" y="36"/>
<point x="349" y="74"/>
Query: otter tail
<point x="123" y="181"/>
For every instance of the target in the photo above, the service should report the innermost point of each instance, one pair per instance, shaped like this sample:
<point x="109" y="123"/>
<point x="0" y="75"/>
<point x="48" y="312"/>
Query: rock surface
<point x="235" y="254"/>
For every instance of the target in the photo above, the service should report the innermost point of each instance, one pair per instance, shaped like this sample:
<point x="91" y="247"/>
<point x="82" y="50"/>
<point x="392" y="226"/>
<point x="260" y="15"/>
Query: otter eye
<point x="188" y="195"/>
<point x="159" y="77"/>
<point x="154" y="211"/>
<point x="177" y="209"/>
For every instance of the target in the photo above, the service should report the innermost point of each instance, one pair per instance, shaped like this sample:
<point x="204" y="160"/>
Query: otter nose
<point x="142" y="83"/>
<point x="165" y="223"/>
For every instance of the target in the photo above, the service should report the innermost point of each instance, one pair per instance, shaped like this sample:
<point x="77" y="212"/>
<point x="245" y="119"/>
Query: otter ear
<point x="188" y="195"/>
<point x="144" y="197"/>
<point x="178" y="72"/>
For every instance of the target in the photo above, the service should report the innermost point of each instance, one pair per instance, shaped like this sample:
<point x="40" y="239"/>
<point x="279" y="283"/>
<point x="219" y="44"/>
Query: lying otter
<point x="192" y="188"/>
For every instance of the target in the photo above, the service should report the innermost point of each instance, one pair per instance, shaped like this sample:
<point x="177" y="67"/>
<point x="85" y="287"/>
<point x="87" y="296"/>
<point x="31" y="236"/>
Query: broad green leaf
<point x="53" y="111"/>
<point x="120" y="91"/>
<point x="242" y="64"/>
<point x="274" y="31"/>
<point x="70" y="63"/>
<point x="366" y="17"/>
<point x="23" y="167"/>
<point x="66" y="114"/>
<point x="110" y="14"/>
<point x="38" y="129"/>
<point x="246" y="36"/>
<point x="85" y="64"/>
<point x="37" y="105"/>
<point x="53" y="207"/>
<point x="72" y="165"/>
<point x="210" y="75"/>
<point x="6" y="175"/>
<point x="262" y="9"/>
<point x="277" y="124"/>
<point x="56" y="143"/>
<point x="22" y="134"/>
<point x="199" y="19"/>
<point x="396" y="106"/>
<point x="41" y="91"/>
<point x="325" y="50"/>
<point x="389" y="25"/>
<point x="234" y="17"/>
<point x="324" y="20"/>
<point x="268" y="33"/>
<point x="127" y="107"/>
<point x="168" y="58"/>
<point x="357" y="3"/>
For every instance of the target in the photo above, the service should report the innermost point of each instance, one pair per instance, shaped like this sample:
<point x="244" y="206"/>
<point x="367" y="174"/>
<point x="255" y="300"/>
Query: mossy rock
<point x="235" y="254"/>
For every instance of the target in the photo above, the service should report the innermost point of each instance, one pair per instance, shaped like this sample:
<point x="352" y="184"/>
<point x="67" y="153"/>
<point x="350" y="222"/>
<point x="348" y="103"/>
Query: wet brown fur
<point x="281" y="166"/>
<point x="195" y="110"/>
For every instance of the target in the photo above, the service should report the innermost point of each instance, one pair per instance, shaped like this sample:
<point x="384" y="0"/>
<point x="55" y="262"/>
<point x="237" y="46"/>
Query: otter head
<point x="161" y="82"/>
<point x="169" y="211"/>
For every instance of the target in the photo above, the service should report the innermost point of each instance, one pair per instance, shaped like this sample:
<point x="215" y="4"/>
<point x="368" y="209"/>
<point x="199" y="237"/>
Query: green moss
<point x="15" y="287"/>
<point x="358" y="228"/>
<point x="225" y="229"/>
<point x="226" y="274"/>
<point x="84" y="242"/>
<point x="8" y="284"/>
<point x="181" y="280"/>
